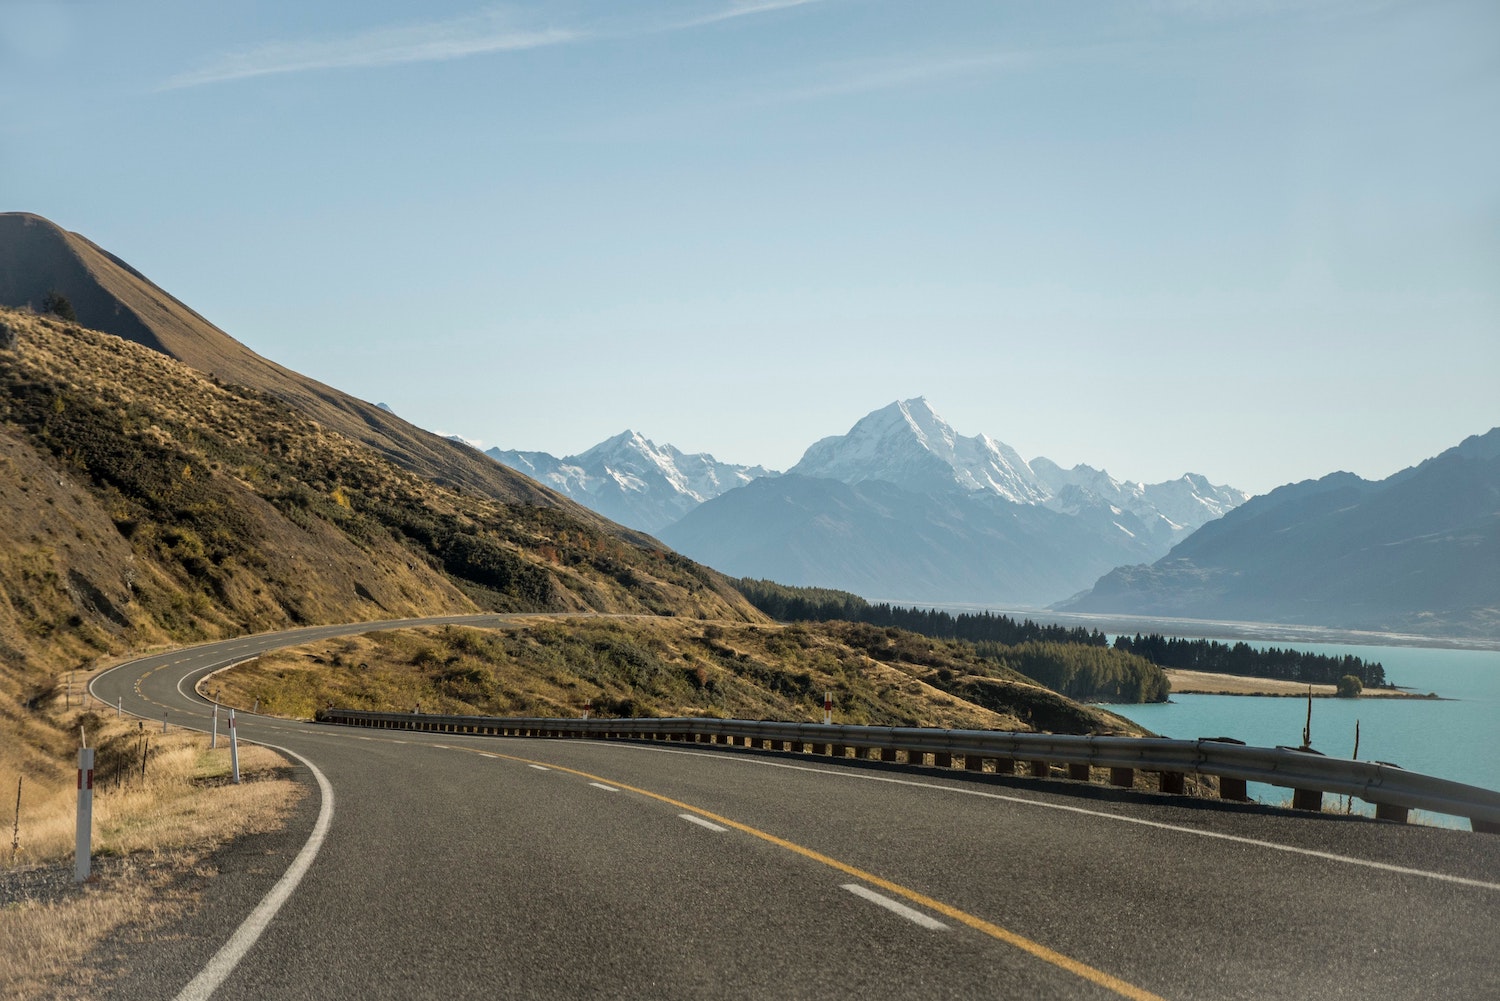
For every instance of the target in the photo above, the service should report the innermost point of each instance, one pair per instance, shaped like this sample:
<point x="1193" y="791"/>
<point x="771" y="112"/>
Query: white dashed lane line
<point x="540" y="768"/>
<point x="601" y="785"/>
<point x="895" y="907"/>
<point x="702" y="823"/>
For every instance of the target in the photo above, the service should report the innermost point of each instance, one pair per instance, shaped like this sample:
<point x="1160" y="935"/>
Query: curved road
<point x="428" y="866"/>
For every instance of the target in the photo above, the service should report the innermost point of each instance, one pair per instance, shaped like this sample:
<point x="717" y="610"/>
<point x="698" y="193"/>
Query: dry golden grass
<point x="1209" y="683"/>
<point x="150" y="837"/>
<point x="650" y="666"/>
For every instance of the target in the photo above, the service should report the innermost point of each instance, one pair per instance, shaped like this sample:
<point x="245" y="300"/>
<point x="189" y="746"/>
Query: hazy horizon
<point x="1256" y="241"/>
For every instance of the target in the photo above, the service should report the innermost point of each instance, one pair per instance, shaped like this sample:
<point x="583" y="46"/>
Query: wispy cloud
<point x="482" y="33"/>
<point x="742" y="8"/>
<point x="434" y="41"/>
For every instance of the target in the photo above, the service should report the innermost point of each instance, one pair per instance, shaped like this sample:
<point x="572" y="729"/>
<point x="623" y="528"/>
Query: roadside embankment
<point x="162" y="804"/>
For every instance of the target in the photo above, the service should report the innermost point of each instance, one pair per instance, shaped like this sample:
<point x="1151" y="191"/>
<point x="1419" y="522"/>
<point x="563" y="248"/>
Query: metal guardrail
<point x="1393" y="790"/>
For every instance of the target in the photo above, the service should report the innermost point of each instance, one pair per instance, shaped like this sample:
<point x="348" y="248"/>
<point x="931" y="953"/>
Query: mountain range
<point x="1416" y="552"/>
<point x="632" y="480"/>
<point x="902" y="506"/>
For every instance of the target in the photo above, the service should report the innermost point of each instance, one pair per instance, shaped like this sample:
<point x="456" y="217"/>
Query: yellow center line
<point x="1021" y="942"/>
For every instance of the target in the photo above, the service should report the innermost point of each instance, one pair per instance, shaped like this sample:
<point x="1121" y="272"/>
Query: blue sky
<point x="1258" y="240"/>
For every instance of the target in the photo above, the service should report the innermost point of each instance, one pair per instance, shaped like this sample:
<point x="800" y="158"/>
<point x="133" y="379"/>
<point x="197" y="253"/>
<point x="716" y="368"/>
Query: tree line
<point x="820" y="604"/>
<point x="1245" y="660"/>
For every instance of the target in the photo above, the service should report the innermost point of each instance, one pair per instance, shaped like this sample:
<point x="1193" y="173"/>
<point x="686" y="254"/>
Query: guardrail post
<point x="1079" y="772"/>
<point x="1122" y="777"/>
<point x="887" y="754"/>
<point x="942" y="759"/>
<point x="1237" y="790"/>
<point x="1041" y="770"/>
<point x="1306" y="799"/>
<point x="1390" y="811"/>
<point x="973" y="762"/>
<point x="1173" y="782"/>
<point x="1230" y="788"/>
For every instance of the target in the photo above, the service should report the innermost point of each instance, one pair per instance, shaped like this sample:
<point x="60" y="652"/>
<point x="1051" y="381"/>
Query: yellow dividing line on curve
<point x="1021" y="942"/>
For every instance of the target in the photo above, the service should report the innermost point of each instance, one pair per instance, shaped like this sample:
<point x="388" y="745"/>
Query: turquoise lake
<point x="1457" y="737"/>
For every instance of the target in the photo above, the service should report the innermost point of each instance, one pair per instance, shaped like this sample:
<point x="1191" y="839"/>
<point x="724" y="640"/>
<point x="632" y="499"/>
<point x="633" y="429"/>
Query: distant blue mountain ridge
<point x="1417" y="552"/>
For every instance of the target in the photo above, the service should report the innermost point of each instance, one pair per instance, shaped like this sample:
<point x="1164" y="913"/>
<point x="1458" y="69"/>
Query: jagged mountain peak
<point x="633" y="480"/>
<point x="907" y="443"/>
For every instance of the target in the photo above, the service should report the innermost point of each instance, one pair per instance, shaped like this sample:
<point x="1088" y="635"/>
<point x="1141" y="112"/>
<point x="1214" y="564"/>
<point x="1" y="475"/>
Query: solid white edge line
<point x="250" y="930"/>
<point x="1120" y="818"/>
<point x="601" y="785"/>
<point x="702" y="823"/>
<point x="895" y="907"/>
<point x="540" y="768"/>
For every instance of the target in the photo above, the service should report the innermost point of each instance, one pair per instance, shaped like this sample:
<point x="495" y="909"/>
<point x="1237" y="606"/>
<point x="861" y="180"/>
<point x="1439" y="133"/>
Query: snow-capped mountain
<point x="908" y="444"/>
<point x="632" y="480"/>
<point x="905" y="508"/>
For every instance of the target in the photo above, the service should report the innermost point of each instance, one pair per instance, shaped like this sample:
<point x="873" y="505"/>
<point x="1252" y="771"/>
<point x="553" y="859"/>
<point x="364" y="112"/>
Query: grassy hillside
<point x="643" y="667"/>
<point x="38" y="257"/>
<point x="142" y="502"/>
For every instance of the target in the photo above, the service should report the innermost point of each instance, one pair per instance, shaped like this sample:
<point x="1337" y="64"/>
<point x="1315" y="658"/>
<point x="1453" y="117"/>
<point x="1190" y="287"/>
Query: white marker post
<point x="234" y="749"/>
<point x="83" y="849"/>
<point x="119" y="706"/>
<point x="163" y="722"/>
<point x="827" y="708"/>
<point x="214" y="740"/>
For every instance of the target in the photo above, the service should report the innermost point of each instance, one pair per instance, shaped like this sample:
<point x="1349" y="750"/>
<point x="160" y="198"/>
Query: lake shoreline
<point x="1185" y="682"/>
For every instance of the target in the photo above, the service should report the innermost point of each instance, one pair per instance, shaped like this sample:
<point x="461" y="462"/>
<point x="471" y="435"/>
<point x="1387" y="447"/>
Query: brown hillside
<point x="657" y="666"/>
<point x="37" y="256"/>
<point x="142" y="501"/>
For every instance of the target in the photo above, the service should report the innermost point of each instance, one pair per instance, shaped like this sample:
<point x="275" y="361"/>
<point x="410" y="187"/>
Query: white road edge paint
<point x="601" y="785"/>
<point x="702" y="823"/>
<point x="895" y="907"/>
<point x="1119" y="818"/>
<point x="250" y="930"/>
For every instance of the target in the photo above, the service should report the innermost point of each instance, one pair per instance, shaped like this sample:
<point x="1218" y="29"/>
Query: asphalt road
<point x="440" y="866"/>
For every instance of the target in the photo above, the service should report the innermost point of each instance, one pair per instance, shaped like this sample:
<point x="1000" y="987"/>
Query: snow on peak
<point x="908" y="444"/>
<point x="632" y="479"/>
